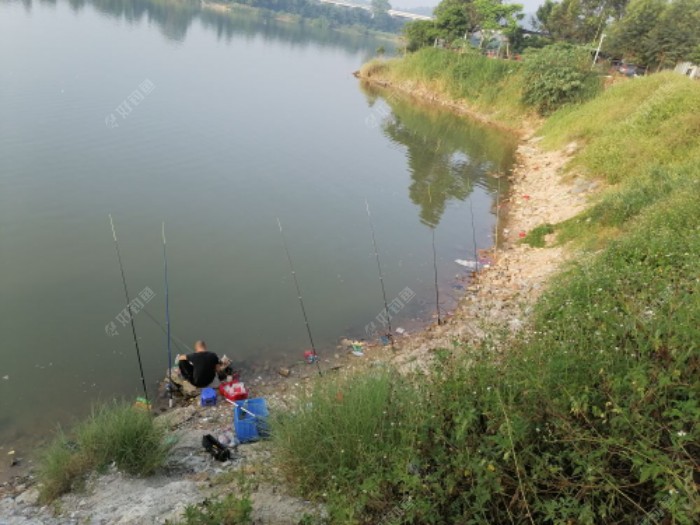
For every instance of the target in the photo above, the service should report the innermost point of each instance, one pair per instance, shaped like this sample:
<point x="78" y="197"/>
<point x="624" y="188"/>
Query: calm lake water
<point x="216" y="124"/>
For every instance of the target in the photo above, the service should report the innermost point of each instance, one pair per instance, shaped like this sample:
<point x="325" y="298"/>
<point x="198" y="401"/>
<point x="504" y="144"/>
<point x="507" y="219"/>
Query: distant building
<point x="688" y="69"/>
<point x="489" y="40"/>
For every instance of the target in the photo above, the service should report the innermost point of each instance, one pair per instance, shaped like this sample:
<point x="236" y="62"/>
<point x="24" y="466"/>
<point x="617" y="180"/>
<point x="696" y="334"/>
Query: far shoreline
<point x="292" y="18"/>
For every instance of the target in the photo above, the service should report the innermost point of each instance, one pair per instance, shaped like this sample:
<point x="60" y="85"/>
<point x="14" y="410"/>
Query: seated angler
<point x="200" y="367"/>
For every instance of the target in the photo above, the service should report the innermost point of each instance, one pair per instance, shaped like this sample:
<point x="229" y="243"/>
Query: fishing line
<point x="128" y="306"/>
<point x="177" y="341"/>
<point x="301" y="301"/>
<point x="167" y="322"/>
<point x="390" y="335"/>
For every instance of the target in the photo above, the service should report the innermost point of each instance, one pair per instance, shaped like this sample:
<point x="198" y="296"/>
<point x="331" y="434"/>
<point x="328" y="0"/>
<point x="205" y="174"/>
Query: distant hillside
<point x="419" y="10"/>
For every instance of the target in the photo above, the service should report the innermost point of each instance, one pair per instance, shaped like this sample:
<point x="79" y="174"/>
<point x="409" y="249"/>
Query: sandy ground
<point x="500" y="295"/>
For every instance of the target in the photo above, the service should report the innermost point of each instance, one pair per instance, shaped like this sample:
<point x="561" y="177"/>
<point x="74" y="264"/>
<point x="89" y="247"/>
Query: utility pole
<point x="597" y="51"/>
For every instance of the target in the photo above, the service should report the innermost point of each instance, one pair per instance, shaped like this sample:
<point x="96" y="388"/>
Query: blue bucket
<point x="250" y="419"/>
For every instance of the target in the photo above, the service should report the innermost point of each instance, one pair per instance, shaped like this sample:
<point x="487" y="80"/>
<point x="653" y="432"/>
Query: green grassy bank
<point x="493" y="87"/>
<point x="503" y="91"/>
<point x="591" y="415"/>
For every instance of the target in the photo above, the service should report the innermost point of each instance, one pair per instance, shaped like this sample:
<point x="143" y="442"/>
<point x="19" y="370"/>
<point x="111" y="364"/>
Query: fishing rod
<point x="167" y="322"/>
<point x="471" y="212"/>
<point x="301" y="301"/>
<point x="498" y="212"/>
<point x="244" y="409"/>
<point x="390" y="335"/>
<point x="128" y="306"/>
<point x="437" y="289"/>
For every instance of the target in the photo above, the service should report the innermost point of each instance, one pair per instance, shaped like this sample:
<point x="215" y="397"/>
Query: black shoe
<point x="216" y="449"/>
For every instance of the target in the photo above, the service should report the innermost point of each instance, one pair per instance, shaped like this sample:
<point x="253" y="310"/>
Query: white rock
<point x="28" y="497"/>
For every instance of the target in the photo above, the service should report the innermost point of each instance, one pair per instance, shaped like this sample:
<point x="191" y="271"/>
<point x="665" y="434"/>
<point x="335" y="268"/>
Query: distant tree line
<point x="376" y="19"/>
<point x="174" y="18"/>
<point x="657" y="33"/>
<point x="650" y="33"/>
<point x="458" y="19"/>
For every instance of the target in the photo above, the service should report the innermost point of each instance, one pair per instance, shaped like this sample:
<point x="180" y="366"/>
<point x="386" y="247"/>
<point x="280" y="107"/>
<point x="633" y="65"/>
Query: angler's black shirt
<point x="204" y="365"/>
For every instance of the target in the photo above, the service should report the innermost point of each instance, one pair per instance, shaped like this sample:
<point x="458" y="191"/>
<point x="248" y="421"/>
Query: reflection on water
<point x="446" y="155"/>
<point x="174" y="17"/>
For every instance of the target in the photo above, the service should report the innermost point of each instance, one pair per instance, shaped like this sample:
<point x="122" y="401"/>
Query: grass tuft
<point x="346" y="420"/>
<point x="536" y="237"/>
<point x="231" y="509"/>
<point x="114" y="433"/>
<point x="373" y="67"/>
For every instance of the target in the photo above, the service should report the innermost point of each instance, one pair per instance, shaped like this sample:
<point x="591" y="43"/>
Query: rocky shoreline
<point x="499" y="296"/>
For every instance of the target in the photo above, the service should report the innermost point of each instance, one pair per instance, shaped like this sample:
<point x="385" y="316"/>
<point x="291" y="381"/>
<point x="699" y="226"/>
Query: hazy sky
<point x="530" y="5"/>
